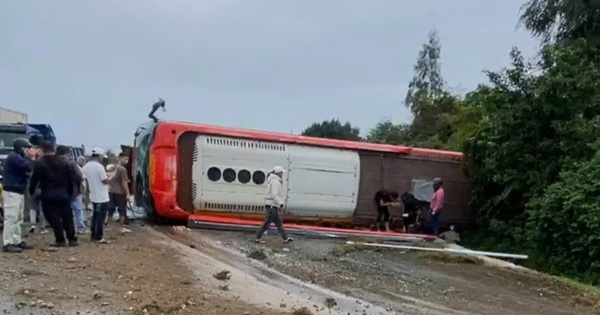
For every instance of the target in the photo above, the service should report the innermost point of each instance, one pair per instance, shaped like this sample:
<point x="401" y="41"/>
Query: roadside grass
<point x="577" y="287"/>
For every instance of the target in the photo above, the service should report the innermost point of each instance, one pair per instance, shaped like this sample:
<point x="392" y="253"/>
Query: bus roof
<point x="312" y="141"/>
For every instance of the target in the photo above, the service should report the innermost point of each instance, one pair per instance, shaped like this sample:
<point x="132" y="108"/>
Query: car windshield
<point x="7" y="138"/>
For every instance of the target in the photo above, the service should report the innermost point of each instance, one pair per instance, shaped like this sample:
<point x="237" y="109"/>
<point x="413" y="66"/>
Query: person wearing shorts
<point x="118" y="191"/>
<point x="384" y="199"/>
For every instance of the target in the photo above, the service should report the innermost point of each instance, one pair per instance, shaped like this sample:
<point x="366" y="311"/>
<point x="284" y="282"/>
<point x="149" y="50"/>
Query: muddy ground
<point x="406" y="282"/>
<point x="176" y="271"/>
<point x="138" y="273"/>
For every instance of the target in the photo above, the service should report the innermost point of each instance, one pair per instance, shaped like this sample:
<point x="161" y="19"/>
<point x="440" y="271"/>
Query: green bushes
<point x="563" y="224"/>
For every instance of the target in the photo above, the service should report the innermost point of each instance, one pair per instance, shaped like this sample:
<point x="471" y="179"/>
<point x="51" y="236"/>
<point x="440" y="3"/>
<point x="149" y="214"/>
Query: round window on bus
<point x="229" y="175"/>
<point x="258" y="177"/>
<point x="244" y="176"/>
<point x="214" y="173"/>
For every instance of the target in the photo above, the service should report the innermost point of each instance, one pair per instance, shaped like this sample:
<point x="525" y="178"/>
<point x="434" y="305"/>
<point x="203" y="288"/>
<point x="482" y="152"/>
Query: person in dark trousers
<point x="384" y="199"/>
<point x="436" y="205"/>
<point x="274" y="205"/>
<point x="15" y="175"/>
<point x="55" y="178"/>
<point x="97" y="185"/>
<point x="118" y="193"/>
<point x="76" y="203"/>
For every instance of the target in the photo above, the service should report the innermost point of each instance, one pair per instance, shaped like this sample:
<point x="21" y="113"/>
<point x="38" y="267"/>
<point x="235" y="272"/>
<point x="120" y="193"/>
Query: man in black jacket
<point x="15" y="174"/>
<point x="56" y="180"/>
<point x="77" y="202"/>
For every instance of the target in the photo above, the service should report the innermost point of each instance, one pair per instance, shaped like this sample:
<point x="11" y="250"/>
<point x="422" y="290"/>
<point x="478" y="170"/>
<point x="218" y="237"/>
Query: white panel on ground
<point x="230" y="174"/>
<point x="322" y="181"/>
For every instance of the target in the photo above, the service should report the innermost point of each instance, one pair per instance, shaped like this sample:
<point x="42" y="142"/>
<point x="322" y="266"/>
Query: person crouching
<point x="274" y="205"/>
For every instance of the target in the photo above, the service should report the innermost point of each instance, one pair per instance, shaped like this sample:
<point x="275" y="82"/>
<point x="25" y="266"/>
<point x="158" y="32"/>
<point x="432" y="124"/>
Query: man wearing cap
<point x="436" y="205"/>
<point x="15" y="176"/>
<point x="274" y="204"/>
<point x="97" y="184"/>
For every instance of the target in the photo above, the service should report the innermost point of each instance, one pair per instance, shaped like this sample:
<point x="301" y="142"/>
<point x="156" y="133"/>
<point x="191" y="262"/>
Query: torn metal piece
<point x="447" y="250"/>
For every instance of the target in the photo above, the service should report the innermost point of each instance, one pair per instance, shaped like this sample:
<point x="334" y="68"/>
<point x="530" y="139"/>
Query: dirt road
<point x="138" y="273"/>
<point x="163" y="271"/>
<point x="409" y="282"/>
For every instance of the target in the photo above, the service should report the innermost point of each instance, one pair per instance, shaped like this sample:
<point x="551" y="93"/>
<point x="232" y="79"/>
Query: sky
<point x="92" y="69"/>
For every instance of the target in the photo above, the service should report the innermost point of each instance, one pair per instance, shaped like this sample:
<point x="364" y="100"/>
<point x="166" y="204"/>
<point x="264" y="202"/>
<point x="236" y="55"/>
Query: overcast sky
<point x="92" y="69"/>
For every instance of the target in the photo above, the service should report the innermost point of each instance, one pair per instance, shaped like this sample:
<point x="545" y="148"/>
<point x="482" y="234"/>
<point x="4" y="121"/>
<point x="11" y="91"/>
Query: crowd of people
<point x="58" y="190"/>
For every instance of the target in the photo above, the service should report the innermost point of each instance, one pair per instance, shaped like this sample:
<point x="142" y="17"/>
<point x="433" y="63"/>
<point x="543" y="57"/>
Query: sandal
<point x="102" y="241"/>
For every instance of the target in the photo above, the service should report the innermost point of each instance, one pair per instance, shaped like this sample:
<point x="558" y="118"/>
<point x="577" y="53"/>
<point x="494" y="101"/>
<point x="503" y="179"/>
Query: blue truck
<point x="35" y="133"/>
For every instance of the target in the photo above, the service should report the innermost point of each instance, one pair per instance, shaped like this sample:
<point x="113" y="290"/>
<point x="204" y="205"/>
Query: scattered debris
<point x="450" y="258"/>
<point x="224" y="287"/>
<point x="330" y="303"/>
<point x="181" y="229"/>
<point x="343" y="249"/>
<point x="302" y="311"/>
<point x="223" y="275"/>
<point x="97" y="295"/>
<point x="257" y="253"/>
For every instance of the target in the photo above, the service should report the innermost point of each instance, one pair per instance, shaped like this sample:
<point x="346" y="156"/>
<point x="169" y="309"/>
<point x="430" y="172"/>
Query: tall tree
<point x="427" y="83"/>
<point x="333" y="129"/>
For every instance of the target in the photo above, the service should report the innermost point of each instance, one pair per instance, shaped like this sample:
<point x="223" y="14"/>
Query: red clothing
<point x="437" y="200"/>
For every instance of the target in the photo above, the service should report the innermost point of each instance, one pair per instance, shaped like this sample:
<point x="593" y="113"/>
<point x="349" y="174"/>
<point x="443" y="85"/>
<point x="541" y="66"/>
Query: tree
<point x="333" y="129"/>
<point x="111" y="157"/>
<point x="432" y="107"/>
<point x="427" y="83"/>
<point x="563" y="20"/>
<point x="536" y="121"/>
<point x="388" y="132"/>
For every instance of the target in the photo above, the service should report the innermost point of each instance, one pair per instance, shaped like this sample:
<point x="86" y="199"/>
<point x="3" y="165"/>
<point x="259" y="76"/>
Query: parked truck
<point x="8" y="116"/>
<point x="35" y="133"/>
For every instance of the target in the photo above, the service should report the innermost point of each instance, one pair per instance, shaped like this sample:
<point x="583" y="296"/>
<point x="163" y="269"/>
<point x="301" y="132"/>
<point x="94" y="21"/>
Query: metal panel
<point x="370" y="183"/>
<point x="396" y="173"/>
<point x="238" y="155"/>
<point x="322" y="182"/>
<point x="8" y="116"/>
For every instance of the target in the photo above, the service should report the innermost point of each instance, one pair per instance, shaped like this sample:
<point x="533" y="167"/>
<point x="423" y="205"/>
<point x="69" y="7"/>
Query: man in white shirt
<point x="274" y="204"/>
<point x="97" y="185"/>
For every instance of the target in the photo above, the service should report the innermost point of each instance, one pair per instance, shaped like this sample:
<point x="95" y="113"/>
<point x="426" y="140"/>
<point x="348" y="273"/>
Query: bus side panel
<point x="399" y="173"/>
